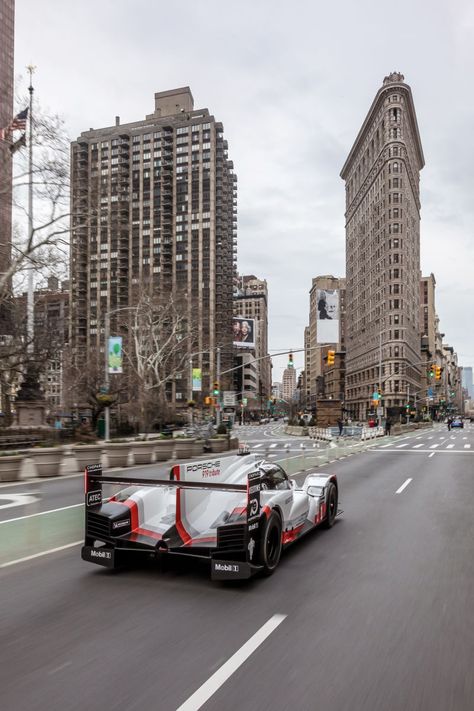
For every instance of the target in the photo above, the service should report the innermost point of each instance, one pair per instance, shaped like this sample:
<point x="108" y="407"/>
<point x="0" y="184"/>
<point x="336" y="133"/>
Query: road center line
<point x="403" y="486"/>
<point x="209" y="688"/>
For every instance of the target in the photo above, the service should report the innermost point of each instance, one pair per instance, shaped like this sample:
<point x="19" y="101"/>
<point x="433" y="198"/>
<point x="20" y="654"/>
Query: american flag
<point x="17" y="123"/>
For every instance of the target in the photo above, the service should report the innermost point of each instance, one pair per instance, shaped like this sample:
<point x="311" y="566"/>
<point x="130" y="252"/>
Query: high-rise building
<point x="381" y="175"/>
<point x="154" y="210"/>
<point x="7" y="37"/>
<point x="288" y="386"/>
<point x="467" y="381"/>
<point x="316" y="347"/>
<point x="251" y="302"/>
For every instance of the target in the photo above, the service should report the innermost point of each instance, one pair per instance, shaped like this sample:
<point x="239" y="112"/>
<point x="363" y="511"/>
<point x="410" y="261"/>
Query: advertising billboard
<point x="327" y="319"/>
<point x="115" y="354"/>
<point x="197" y="380"/>
<point x="243" y="330"/>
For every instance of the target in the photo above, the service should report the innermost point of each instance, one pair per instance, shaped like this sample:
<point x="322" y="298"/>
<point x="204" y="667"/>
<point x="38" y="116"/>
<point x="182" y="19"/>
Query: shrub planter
<point x="219" y="444"/>
<point x="184" y="448"/>
<point x="163" y="449"/>
<point x="87" y="454"/>
<point x="47" y="460"/>
<point x="117" y="453"/>
<point x="143" y="451"/>
<point x="198" y="447"/>
<point x="10" y="467"/>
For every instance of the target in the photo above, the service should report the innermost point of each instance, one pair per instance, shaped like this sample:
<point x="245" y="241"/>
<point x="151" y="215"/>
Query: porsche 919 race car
<point x="238" y="512"/>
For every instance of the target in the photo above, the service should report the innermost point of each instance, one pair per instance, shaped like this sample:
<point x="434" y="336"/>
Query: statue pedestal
<point x="31" y="413"/>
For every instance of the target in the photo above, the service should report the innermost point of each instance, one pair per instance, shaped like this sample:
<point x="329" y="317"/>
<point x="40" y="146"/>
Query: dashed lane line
<point x="433" y="446"/>
<point x="403" y="486"/>
<point x="209" y="688"/>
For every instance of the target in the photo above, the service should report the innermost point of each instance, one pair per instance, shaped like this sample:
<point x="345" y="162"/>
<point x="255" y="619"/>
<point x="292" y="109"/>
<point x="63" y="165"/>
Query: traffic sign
<point x="376" y="396"/>
<point x="229" y="398"/>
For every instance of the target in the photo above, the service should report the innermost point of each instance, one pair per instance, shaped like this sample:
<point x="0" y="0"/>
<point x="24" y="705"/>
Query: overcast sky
<point x="292" y="83"/>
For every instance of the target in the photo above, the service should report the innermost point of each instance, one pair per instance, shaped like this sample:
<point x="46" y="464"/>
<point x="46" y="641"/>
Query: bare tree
<point x="160" y="340"/>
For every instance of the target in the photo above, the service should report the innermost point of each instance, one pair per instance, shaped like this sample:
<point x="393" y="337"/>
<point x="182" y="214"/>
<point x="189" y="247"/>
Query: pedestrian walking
<point x="450" y="422"/>
<point x="388" y="426"/>
<point x="340" y="424"/>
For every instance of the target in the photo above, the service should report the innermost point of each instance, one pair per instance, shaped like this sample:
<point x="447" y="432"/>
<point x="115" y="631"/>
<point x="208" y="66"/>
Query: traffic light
<point x="208" y="401"/>
<point x="438" y="372"/>
<point x="432" y="371"/>
<point x="331" y="356"/>
<point x="215" y="390"/>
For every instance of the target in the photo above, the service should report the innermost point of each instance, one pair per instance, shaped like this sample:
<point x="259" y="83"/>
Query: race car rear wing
<point x="94" y="479"/>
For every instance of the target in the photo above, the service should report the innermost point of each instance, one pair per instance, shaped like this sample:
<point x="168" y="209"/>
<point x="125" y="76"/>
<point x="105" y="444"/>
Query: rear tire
<point x="271" y="544"/>
<point x="331" y="507"/>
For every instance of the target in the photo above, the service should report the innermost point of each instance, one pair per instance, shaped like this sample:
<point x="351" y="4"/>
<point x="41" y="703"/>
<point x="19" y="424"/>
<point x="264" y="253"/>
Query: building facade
<point x="315" y="347"/>
<point x="154" y="211"/>
<point x="288" y="385"/>
<point x="7" y="42"/>
<point x="381" y="177"/>
<point x="51" y="334"/>
<point x="251" y="302"/>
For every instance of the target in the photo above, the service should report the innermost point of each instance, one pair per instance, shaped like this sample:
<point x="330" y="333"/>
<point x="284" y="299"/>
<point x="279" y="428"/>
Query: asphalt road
<point x="378" y="610"/>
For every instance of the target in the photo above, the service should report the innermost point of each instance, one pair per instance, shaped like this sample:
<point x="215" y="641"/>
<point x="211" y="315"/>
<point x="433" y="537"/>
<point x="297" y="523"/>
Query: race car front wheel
<point x="331" y="507"/>
<point x="270" y="546"/>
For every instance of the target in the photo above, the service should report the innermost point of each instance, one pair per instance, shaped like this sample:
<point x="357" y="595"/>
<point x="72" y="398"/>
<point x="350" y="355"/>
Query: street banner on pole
<point x="115" y="354"/>
<point x="197" y="380"/>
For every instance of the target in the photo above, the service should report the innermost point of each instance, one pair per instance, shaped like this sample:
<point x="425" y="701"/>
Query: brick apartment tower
<point x="160" y="195"/>
<point x="7" y="37"/>
<point x="383" y="252"/>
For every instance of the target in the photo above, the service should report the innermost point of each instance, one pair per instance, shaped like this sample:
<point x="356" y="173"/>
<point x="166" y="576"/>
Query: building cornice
<point x="377" y="103"/>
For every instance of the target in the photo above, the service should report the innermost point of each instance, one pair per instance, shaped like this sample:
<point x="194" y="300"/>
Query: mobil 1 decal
<point x="253" y="514"/>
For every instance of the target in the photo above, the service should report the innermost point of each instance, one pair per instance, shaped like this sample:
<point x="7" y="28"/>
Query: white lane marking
<point x="431" y="455"/>
<point x="415" y="446"/>
<point x="41" y="513"/>
<point x="60" y="668"/>
<point x="18" y="500"/>
<point x="256" y="446"/>
<point x="403" y="486"/>
<point x="38" y="555"/>
<point x="450" y="446"/>
<point x="209" y="688"/>
<point x="272" y="446"/>
<point x="418" y="437"/>
<point x="429" y="438"/>
<point x="433" y="446"/>
<point x="399" y="446"/>
<point x="272" y="455"/>
<point x="387" y="445"/>
<point x="464" y="437"/>
<point x="467" y="446"/>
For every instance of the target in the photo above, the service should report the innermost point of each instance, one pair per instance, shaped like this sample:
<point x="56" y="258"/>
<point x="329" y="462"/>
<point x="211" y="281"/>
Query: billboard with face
<point x="327" y="326"/>
<point x="243" y="330"/>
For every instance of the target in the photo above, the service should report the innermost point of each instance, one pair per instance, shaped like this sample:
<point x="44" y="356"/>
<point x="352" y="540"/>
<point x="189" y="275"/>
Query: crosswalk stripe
<point x="433" y="446"/>
<point x="467" y="446"/>
<point x="415" y="446"/>
<point x="272" y="446"/>
<point x="256" y="446"/>
<point x="399" y="446"/>
<point x="429" y="438"/>
<point x="384" y="445"/>
<point x="450" y="446"/>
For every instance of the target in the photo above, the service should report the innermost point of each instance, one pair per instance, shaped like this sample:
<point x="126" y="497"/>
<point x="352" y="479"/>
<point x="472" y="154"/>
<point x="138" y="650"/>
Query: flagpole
<point x="30" y="308"/>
